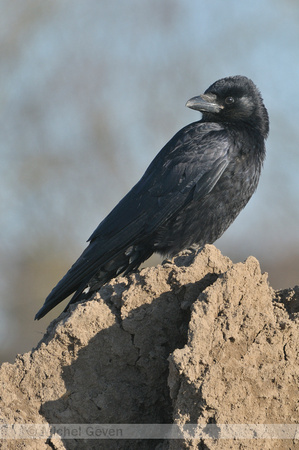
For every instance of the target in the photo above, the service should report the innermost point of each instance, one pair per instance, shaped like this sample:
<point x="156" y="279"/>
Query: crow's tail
<point x="99" y="269"/>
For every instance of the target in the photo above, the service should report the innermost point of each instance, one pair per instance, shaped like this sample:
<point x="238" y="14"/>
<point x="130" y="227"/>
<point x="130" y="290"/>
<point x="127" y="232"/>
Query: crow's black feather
<point x="189" y="195"/>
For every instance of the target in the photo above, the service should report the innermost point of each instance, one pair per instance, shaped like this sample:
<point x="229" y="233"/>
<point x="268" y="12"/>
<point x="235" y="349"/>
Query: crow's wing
<point x="191" y="162"/>
<point x="188" y="166"/>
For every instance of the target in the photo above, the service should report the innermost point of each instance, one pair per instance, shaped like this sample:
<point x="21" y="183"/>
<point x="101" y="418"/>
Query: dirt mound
<point x="196" y="340"/>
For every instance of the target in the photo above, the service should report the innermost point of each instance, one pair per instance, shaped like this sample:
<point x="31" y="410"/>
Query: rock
<point x="196" y="340"/>
<point x="240" y="364"/>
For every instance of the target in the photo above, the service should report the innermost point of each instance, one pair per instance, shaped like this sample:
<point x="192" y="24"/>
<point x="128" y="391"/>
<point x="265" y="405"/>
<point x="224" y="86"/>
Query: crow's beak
<point x="205" y="103"/>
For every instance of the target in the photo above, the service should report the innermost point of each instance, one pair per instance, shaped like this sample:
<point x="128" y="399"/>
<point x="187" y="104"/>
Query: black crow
<point x="189" y="195"/>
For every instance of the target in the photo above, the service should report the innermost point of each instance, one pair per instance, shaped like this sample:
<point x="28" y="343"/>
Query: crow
<point x="189" y="195"/>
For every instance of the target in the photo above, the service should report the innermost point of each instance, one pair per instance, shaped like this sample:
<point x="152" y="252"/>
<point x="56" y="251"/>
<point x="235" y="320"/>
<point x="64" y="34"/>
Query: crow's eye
<point x="229" y="100"/>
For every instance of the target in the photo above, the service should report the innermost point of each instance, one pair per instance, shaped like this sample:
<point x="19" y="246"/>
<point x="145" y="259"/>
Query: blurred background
<point x="91" y="91"/>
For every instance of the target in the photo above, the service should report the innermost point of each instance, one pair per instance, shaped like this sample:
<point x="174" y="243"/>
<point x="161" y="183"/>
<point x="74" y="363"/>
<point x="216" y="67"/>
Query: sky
<point x="91" y="91"/>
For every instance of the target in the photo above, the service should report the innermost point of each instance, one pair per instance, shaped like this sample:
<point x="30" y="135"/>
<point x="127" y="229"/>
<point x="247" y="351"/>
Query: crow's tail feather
<point x="96" y="272"/>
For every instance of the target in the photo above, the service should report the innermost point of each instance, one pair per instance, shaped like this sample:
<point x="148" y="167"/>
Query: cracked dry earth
<point x="195" y="340"/>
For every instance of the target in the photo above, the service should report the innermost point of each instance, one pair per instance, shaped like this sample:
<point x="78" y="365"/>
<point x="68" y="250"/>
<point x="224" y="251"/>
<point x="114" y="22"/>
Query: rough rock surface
<point x="196" y="340"/>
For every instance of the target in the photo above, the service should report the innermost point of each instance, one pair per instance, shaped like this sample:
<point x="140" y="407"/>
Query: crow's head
<point x="234" y="100"/>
